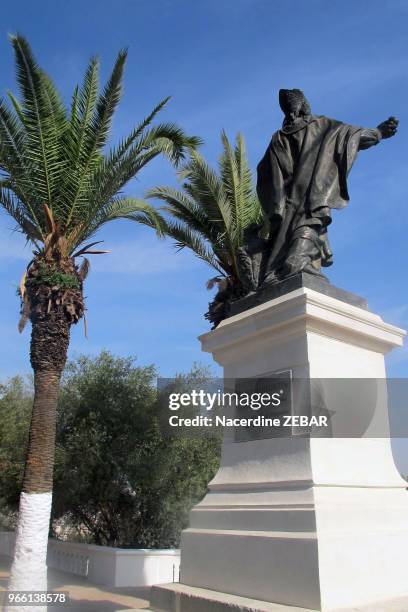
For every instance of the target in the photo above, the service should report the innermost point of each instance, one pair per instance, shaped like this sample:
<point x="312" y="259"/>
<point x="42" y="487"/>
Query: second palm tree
<point x="218" y="217"/>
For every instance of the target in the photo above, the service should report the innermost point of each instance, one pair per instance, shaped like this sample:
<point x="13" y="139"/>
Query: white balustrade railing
<point x="72" y="562"/>
<point x="115" y="567"/>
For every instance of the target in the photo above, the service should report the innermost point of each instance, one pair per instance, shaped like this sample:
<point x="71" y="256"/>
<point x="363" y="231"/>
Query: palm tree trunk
<point x="29" y="568"/>
<point x="49" y="346"/>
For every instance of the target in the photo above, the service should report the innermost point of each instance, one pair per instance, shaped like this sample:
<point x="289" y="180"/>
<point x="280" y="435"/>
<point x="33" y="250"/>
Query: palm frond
<point x="132" y="209"/>
<point x="13" y="159"/>
<point x="120" y="166"/>
<point x="184" y="208"/>
<point x="113" y="171"/>
<point x="77" y="138"/>
<point x="17" y="106"/>
<point x="185" y="237"/>
<point x="207" y="189"/>
<point x="43" y="144"/>
<point x="96" y="117"/>
<point x="21" y="215"/>
<point x="107" y="102"/>
<point x="171" y="140"/>
<point x="117" y="153"/>
<point x="231" y="181"/>
<point x="249" y="207"/>
<point x="211" y="212"/>
<point x="82" y="109"/>
<point x="84" y="268"/>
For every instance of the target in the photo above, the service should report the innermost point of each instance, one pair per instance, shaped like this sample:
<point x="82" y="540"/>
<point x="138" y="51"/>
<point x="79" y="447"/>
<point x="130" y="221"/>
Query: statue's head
<point x="293" y="103"/>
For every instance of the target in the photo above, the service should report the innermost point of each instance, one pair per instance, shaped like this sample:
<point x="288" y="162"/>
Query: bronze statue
<point x="302" y="176"/>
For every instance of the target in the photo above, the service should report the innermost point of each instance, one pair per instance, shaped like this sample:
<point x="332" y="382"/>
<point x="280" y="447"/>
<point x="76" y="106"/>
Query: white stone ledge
<point x="304" y="310"/>
<point x="113" y="567"/>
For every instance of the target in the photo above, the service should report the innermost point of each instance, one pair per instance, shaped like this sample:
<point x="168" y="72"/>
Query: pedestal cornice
<point x="304" y="310"/>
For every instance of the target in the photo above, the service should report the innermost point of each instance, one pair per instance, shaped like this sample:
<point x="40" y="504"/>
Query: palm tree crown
<point x="59" y="183"/>
<point x="214" y="213"/>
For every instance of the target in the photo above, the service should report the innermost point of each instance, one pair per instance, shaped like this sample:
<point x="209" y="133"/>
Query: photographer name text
<point x="287" y="420"/>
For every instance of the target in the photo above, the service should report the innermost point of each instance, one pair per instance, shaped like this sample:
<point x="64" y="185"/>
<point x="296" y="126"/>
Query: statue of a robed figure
<point x="301" y="178"/>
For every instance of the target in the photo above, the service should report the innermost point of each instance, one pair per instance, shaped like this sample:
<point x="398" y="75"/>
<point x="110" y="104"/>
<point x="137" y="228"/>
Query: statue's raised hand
<point x="389" y="127"/>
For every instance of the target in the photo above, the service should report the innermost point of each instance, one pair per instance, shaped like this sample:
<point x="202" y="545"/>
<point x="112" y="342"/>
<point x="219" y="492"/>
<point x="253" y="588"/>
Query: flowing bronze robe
<point x="303" y="175"/>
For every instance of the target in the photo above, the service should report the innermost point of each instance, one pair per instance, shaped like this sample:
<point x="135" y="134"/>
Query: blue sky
<point x="223" y="62"/>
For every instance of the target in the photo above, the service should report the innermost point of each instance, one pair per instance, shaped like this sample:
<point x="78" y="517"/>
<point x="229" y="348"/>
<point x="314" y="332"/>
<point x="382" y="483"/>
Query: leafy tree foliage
<point x="118" y="479"/>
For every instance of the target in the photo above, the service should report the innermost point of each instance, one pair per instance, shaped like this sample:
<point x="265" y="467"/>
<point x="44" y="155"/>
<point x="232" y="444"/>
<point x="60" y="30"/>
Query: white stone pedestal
<point x="318" y="523"/>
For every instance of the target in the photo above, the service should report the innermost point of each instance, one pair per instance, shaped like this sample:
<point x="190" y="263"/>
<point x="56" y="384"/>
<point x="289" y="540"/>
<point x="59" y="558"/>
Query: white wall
<point x="114" y="567"/>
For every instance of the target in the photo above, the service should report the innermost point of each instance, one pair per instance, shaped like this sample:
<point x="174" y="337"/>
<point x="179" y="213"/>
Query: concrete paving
<point x="85" y="596"/>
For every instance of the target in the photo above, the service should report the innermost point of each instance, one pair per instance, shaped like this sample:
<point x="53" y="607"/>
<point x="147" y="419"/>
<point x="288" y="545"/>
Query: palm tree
<point x="61" y="186"/>
<point x="218" y="217"/>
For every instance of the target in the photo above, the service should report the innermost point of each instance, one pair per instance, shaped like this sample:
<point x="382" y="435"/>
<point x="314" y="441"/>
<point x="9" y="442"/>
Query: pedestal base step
<point x="175" y="597"/>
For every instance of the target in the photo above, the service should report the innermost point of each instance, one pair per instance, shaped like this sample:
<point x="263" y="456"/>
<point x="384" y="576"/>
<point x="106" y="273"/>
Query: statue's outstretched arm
<point x="372" y="136"/>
